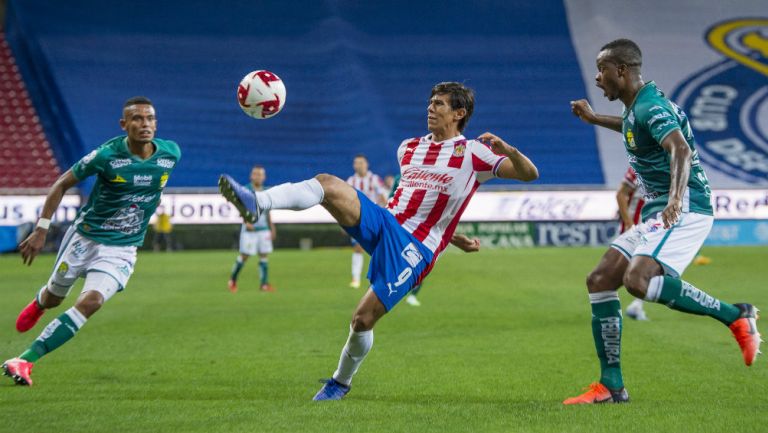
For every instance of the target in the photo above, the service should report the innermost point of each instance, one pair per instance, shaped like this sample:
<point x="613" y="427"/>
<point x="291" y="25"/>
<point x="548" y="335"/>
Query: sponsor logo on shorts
<point x="412" y="255"/>
<point x="165" y="162"/>
<point x="78" y="249"/>
<point x="117" y="163"/>
<point x="142" y="179"/>
<point x="724" y="101"/>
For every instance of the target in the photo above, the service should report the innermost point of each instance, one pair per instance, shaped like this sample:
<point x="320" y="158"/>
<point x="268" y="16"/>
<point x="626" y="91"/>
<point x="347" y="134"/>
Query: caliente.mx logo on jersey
<point x="727" y="103"/>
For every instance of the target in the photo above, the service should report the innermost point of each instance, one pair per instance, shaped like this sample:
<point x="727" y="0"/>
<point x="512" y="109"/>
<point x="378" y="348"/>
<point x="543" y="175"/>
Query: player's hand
<point x="32" y="245"/>
<point x="498" y="146"/>
<point x="583" y="111"/>
<point x="466" y="244"/>
<point x="249" y="227"/>
<point x="671" y="214"/>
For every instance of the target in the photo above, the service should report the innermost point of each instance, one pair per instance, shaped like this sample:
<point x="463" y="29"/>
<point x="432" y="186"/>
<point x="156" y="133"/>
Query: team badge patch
<point x="459" y="149"/>
<point x="63" y="268"/>
<point x="163" y="180"/>
<point x="727" y="103"/>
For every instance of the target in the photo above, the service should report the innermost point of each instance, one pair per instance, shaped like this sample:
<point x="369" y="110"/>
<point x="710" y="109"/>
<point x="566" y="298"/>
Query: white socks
<point x="296" y="196"/>
<point x="357" y="266"/>
<point x="352" y="355"/>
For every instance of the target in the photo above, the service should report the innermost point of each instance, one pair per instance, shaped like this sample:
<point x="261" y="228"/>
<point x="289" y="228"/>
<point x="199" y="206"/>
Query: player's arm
<point x="583" y="111"/>
<point x="32" y="245"/>
<point x="622" y="199"/>
<point x="680" y="170"/>
<point x="516" y="166"/>
<point x="466" y="244"/>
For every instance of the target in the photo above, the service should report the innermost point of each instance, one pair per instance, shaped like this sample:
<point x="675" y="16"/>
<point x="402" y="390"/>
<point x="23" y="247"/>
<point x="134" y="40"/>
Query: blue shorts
<point x="398" y="260"/>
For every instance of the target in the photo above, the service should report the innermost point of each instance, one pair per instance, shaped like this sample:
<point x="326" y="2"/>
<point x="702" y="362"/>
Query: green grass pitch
<point x="501" y="339"/>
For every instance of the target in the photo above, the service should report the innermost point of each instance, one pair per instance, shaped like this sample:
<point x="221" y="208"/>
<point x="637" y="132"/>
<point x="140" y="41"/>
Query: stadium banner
<point x="708" y="58"/>
<point x="575" y="233"/>
<point x="500" y="234"/>
<point x="741" y="232"/>
<point x="485" y="206"/>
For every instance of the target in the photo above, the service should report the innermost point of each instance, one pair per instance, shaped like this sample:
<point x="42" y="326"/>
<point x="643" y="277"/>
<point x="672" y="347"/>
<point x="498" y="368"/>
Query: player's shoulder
<point x="651" y="101"/>
<point x="408" y="141"/>
<point x="111" y="148"/>
<point x="168" y="146"/>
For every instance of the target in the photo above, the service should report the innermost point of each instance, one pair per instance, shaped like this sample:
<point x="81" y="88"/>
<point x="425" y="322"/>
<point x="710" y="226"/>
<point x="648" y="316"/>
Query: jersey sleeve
<point x="660" y="120"/>
<point x="484" y="162"/>
<point x="90" y="164"/>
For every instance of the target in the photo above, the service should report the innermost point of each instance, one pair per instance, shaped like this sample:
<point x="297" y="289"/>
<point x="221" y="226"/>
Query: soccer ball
<point x="261" y="94"/>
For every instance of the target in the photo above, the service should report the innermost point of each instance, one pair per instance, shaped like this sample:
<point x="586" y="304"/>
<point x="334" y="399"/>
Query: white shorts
<point x="674" y="248"/>
<point x="83" y="257"/>
<point x="258" y="242"/>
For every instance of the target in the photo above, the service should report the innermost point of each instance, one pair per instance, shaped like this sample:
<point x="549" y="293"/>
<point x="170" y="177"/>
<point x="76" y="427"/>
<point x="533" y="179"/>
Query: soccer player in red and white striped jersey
<point x="371" y="185"/>
<point x="439" y="174"/>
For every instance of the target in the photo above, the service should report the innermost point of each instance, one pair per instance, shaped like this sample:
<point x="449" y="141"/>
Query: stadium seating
<point x="358" y="78"/>
<point x="26" y="160"/>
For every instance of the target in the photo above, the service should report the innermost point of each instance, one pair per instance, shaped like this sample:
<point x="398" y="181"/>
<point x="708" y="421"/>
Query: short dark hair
<point x="137" y="100"/>
<point x="624" y="52"/>
<point x="360" y="155"/>
<point x="461" y="96"/>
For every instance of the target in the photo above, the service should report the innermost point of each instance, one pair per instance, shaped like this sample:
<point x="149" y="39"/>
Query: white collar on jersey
<point x="428" y="138"/>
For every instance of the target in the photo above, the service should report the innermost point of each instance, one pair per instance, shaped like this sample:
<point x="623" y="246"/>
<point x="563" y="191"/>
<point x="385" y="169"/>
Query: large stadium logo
<point x="727" y="103"/>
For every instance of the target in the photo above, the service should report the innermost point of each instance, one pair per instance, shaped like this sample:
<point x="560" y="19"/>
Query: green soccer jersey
<point x="127" y="190"/>
<point x="646" y="123"/>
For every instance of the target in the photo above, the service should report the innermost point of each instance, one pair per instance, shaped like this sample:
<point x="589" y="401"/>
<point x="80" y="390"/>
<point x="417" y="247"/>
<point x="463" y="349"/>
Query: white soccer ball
<point x="261" y="94"/>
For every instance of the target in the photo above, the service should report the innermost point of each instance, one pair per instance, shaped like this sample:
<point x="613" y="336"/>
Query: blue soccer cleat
<point x="241" y="197"/>
<point x="331" y="390"/>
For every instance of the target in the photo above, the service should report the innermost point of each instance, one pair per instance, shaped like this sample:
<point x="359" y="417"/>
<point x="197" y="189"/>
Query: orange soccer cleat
<point x="266" y="287"/>
<point x="745" y="332"/>
<point x="599" y="393"/>
<point x="232" y="286"/>
<point x="29" y="316"/>
<point x="19" y="370"/>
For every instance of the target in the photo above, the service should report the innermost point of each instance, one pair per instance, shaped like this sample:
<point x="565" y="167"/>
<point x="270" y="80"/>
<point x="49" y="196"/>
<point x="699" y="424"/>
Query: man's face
<point x="258" y="176"/>
<point x="139" y="123"/>
<point x="360" y="165"/>
<point x="440" y="115"/>
<point x="610" y="77"/>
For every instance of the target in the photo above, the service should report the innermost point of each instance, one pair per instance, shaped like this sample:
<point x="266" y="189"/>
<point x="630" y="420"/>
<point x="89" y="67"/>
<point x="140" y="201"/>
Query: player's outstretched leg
<point x="682" y="296"/>
<point x="19" y="370"/>
<point x="31" y="314"/>
<point x="359" y="343"/>
<point x="250" y="204"/>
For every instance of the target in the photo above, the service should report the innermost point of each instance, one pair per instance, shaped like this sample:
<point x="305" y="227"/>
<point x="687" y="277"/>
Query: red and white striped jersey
<point x="436" y="182"/>
<point x="371" y="185"/>
<point x="636" y="200"/>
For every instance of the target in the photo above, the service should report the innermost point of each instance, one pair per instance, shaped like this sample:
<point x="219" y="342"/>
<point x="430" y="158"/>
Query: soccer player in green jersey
<point x="650" y="258"/>
<point x="131" y="171"/>
<point x="255" y="238"/>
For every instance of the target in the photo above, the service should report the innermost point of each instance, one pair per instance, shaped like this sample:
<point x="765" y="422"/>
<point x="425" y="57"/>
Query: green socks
<point x="58" y="332"/>
<point x="606" y="330"/>
<point x="236" y="268"/>
<point x="264" y="271"/>
<point x="682" y="296"/>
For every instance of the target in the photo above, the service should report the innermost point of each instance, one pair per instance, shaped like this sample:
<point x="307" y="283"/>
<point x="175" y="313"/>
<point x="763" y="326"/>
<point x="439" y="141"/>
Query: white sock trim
<point x="654" y="288"/>
<point x="599" y="297"/>
<point x="77" y="317"/>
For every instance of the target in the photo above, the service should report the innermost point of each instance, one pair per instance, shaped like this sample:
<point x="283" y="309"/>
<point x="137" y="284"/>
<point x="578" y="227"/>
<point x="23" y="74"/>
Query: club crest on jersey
<point x="724" y="101"/>
<point x="163" y="179"/>
<point x="459" y="149"/>
<point x="631" y="140"/>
